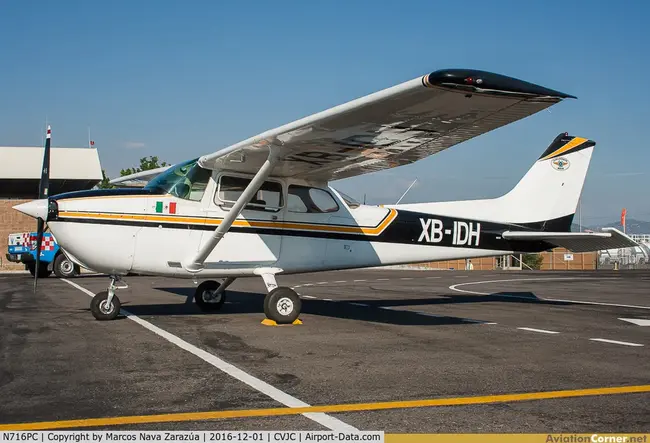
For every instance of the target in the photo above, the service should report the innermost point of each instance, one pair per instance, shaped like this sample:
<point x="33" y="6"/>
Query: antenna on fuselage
<point x="407" y="190"/>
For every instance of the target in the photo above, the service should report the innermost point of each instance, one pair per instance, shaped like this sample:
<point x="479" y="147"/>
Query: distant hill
<point x="632" y="226"/>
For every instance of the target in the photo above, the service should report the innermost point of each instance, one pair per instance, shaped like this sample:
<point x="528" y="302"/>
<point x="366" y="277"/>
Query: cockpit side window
<point x="186" y="180"/>
<point x="268" y="197"/>
<point x="306" y="199"/>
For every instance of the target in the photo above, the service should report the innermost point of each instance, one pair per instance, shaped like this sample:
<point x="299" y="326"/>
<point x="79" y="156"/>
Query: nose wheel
<point x="106" y="305"/>
<point x="102" y="308"/>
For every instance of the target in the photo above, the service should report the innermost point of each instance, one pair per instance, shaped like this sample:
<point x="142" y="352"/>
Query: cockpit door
<point x="255" y="236"/>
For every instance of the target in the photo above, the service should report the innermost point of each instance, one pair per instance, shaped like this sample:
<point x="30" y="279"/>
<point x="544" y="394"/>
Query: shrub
<point x="534" y="261"/>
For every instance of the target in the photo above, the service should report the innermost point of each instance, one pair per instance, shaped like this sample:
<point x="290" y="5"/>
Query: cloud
<point x="134" y="145"/>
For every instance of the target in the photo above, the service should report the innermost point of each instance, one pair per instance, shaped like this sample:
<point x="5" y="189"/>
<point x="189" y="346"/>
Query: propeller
<point x="43" y="189"/>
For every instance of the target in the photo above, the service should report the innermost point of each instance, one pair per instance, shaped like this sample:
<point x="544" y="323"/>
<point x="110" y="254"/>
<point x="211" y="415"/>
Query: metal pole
<point x="580" y="212"/>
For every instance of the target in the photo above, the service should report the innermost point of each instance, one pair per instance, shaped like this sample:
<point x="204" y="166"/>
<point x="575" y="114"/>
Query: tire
<point x="43" y="272"/>
<point x="282" y="305"/>
<point x="64" y="267"/>
<point x="203" y="301"/>
<point x="99" y="309"/>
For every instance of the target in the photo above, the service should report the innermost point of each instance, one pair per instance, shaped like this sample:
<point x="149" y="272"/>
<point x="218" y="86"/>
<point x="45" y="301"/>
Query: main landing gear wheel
<point x="282" y="305"/>
<point x="206" y="297"/>
<point x="102" y="309"/>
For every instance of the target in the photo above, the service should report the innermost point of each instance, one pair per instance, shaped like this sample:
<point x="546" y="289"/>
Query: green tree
<point x="534" y="261"/>
<point x="146" y="163"/>
<point x="104" y="184"/>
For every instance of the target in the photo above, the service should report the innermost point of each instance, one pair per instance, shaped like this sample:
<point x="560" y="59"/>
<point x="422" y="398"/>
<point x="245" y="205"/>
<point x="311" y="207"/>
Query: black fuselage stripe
<point x="491" y="238"/>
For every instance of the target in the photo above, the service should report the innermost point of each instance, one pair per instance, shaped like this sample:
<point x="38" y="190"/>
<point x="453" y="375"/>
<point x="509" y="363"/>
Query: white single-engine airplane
<point x="263" y="206"/>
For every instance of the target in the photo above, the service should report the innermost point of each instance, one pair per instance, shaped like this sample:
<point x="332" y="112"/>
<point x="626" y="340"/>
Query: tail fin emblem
<point x="561" y="164"/>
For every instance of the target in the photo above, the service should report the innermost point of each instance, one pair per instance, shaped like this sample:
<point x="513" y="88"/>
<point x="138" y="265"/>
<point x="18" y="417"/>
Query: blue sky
<point x="180" y="79"/>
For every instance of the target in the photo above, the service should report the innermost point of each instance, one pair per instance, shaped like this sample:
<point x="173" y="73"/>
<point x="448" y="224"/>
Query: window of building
<point x="306" y="199"/>
<point x="267" y="198"/>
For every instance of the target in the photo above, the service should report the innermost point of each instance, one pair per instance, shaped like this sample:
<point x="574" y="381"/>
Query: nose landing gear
<point x="106" y="305"/>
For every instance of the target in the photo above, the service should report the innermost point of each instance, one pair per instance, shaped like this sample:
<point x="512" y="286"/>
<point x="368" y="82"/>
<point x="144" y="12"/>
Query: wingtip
<point x="476" y="79"/>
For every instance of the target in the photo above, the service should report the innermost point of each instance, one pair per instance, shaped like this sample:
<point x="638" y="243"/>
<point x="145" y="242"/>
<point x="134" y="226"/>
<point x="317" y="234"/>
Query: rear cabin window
<point x="306" y="199"/>
<point x="267" y="198"/>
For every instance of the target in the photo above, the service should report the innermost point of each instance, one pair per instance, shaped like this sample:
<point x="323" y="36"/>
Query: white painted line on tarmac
<point x="308" y="296"/>
<point x="356" y="281"/>
<point x="508" y="280"/>
<point x="327" y="299"/>
<point x="624" y="343"/>
<point x="596" y="303"/>
<point x="322" y="283"/>
<point x="382" y="279"/>
<point x="257" y="384"/>
<point x="433" y="277"/>
<point x="579" y="302"/>
<point x="406" y="278"/>
<point x="637" y="321"/>
<point x="341" y="281"/>
<point x="359" y="304"/>
<point x="543" y="331"/>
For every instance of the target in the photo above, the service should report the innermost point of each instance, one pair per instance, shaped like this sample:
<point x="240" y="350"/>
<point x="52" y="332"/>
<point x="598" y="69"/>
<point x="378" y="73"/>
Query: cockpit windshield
<point x="352" y="203"/>
<point x="185" y="180"/>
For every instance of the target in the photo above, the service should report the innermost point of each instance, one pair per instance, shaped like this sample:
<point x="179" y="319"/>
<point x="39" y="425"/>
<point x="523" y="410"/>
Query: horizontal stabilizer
<point x="611" y="238"/>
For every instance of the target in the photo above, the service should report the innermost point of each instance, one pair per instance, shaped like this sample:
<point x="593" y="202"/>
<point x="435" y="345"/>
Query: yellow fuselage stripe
<point x="239" y="223"/>
<point x="353" y="407"/>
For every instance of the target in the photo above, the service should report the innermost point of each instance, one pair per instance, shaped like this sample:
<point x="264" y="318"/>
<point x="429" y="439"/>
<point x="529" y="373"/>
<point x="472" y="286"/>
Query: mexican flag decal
<point x="166" y="208"/>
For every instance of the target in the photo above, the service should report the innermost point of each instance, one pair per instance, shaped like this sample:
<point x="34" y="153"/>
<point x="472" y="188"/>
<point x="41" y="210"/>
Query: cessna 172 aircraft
<point x="263" y="207"/>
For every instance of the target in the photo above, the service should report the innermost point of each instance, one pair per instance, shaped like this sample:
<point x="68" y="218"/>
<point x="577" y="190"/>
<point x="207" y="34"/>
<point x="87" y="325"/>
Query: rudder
<point x="550" y="190"/>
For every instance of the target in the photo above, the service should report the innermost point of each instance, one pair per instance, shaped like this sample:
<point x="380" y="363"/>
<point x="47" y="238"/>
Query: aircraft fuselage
<point x="121" y="231"/>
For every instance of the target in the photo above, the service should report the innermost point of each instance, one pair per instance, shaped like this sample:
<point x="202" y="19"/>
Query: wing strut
<point x="195" y="264"/>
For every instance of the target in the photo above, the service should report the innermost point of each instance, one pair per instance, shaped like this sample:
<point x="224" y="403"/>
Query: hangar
<point x="71" y="169"/>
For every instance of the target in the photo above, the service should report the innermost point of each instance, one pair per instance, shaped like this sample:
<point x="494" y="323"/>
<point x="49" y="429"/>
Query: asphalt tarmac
<point x="392" y="350"/>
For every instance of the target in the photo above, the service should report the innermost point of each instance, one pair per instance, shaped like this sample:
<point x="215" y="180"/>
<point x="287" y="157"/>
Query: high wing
<point x="577" y="241"/>
<point x="139" y="179"/>
<point x="390" y="128"/>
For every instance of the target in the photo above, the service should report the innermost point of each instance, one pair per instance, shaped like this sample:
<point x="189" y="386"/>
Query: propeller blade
<point x="43" y="186"/>
<point x="43" y="191"/>
<point x="39" y="241"/>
